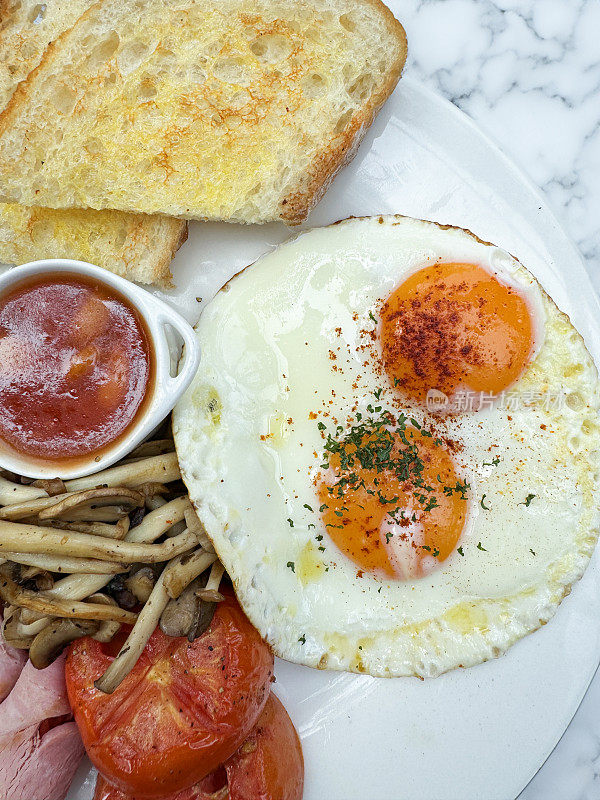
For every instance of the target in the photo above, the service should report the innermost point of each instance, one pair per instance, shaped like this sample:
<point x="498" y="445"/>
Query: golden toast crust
<point x="328" y="162"/>
<point x="136" y="246"/>
<point x="197" y="153"/>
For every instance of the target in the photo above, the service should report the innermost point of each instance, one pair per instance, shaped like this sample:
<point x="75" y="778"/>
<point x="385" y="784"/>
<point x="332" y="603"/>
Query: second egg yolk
<point x="391" y="500"/>
<point x="454" y="326"/>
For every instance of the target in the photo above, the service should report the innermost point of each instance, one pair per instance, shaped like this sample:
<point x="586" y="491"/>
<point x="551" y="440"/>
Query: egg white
<point x="249" y="446"/>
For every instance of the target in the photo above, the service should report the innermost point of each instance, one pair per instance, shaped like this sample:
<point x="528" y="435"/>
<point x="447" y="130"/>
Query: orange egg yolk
<point x="454" y="326"/>
<point x="391" y="500"/>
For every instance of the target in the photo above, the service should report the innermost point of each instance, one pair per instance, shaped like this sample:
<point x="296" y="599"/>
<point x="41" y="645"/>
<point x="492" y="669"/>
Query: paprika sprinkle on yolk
<point x="390" y="498"/>
<point x="455" y="326"/>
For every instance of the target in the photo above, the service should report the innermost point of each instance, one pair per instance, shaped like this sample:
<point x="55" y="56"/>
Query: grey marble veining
<point x="528" y="72"/>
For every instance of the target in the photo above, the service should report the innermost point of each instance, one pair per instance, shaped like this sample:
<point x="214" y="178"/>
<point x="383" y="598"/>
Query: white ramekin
<point x="166" y="391"/>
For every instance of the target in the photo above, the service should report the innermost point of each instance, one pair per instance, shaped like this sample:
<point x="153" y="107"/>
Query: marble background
<point x="528" y="72"/>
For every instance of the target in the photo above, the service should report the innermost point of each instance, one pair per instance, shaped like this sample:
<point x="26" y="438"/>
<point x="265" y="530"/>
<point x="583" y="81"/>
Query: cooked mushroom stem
<point x="80" y="504"/>
<point x="51" y="641"/>
<point x="105" y="529"/>
<point x="12" y="593"/>
<point x="11" y="632"/>
<point x="150" y="490"/>
<point x="153" y="448"/>
<point x="178" y="528"/>
<point x="108" y="629"/>
<point x="52" y="486"/>
<point x="64" y="564"/>
<point x="16" y="493"/>
<point x="78" y="587"/>
<point x="108" y="514"/>
<point x="210" y="593"/>
<point x="29" y="507"/>
<point x="33" y="539"/>
<point x="32" y="628"/>
<point x="193" y="524"/>
<point x="157" y="469"/>
<point x="137" y="639"/>
<point x="186" y="570"/>
<point x="73" y="587"/>
<point x="159" y="521"/>
<point x="152" y="503"/>
<point x="140" y="583"/>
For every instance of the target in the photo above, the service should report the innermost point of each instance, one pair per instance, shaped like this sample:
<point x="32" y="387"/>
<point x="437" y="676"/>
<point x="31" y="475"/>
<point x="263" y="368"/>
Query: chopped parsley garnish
<point x="385" y="446"/>
<point x="528" y="500"/>
<point x="480" y="547"/>
<point x="290" y="522"/>
<point x="493" y="463"/>
<point x="460" y="551"/>
<point x="307" y="506"/>
<point x="291" y="565"/>
<point x="302" y="639"/>
<point x="531" y="551"/>
<point x="373" y="317"/>
<point x="377" y="393"/>
<point x="431" y="503"/>
<point x="379" y="443"/>
<point x="482" y="503"/>
<point x="459" y="488"/>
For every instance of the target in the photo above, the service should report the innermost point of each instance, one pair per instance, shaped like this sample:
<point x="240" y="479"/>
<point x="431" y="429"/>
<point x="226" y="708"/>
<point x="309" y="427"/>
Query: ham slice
<point x="40" y="747"/>
<point x="12" y="662"/>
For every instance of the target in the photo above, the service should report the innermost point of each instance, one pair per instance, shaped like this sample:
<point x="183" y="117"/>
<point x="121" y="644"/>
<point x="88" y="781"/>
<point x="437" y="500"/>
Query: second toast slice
<point x="136" y="246"/>
<point x="220" y="109"/>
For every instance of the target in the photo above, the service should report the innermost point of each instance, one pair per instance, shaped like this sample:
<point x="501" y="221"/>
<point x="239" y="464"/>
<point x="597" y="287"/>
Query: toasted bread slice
<point x="136" y="246"/>
<point x="26" y="29"/>
<point x="238" y="110"/>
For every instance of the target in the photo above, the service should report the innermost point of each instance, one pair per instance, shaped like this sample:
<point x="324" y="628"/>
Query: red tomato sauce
<point x="76" y="365"/>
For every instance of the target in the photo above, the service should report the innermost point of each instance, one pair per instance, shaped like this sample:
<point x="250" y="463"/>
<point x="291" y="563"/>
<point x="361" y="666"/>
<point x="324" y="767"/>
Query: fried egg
<point x="392" y="441"/>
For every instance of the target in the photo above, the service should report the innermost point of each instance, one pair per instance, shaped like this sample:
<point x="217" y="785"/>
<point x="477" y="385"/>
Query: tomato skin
<point x="209" y="788"/>
<point x="181" y="712"/>
<point x="269" y="765"/>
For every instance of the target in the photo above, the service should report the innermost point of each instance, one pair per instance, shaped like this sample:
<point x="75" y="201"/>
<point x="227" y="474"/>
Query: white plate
<point x="478" y="734"/>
